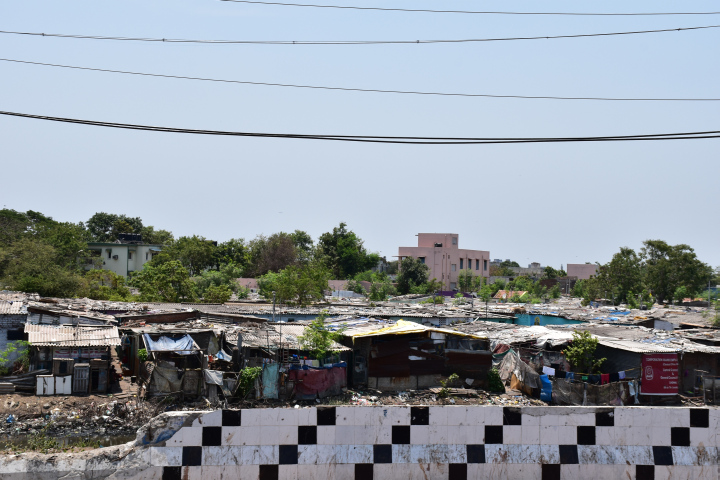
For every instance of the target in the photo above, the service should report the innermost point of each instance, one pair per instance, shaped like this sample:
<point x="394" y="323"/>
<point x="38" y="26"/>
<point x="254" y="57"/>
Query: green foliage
<point x="392" y="267"/>
<point x="413" y="273"/>
<point x="142" y="355"/>
<point x="581" y="353"/>
<point x="344" y="254"/>
<point x="445" y="390"/>
<point x="156" y="237"/>
<point x="105" y="227"/>
<point x="555" y="291"/>
<point x="494" y="382"/>
<point x="106" y="285"/>
<point x="217" y="294"/>
<point x="486" y="293"/>
<point x="166" y="282"/>
<point x="16" y="353"/>
<point x="381" y="288"/>
<point x="318" y="339"/>
<point x="579" y="289"/>
<point x="668" y="267"/>
<point x="465" y="280"/>
<point x="246" y="383"/>
<point x="298" y="284"/>
<point x="194" y="253"/>
<point x="355" y="286"/>
<point x="242" y="292"/>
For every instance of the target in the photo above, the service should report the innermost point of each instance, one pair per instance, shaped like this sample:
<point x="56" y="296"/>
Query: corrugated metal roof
<point x="647" y="347"/>
<point x="49" y="335"/>
<point x="11" y="308"/>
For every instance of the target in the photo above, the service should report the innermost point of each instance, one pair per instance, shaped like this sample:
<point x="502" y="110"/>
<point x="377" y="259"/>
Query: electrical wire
<point x="350" y="42"/>
<point x="362" y="90"/>
<point x="349" y="7"/>
<point x="380" y="139"/>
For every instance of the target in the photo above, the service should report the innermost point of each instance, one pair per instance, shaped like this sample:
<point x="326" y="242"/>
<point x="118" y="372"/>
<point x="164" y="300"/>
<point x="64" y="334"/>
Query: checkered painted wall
<point x="445" y="442"/>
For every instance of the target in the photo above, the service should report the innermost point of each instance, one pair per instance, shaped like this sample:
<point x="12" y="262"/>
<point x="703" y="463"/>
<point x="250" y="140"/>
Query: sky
<point x="548" y="203"/>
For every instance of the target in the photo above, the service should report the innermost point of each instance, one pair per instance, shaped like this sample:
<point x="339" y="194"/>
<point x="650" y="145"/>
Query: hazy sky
<point x="551" y="203"/>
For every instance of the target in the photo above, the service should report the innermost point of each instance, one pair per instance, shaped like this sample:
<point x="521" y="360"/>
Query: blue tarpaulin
<point x="307" y="367"/>
<point x="182" y="346"/>
<point x="545" y="389"/>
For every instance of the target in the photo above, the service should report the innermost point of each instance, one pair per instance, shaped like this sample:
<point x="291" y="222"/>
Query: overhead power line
<point x="422" y="10"/>
<point x="348" y="42"/>
<point x="381" y="139"/>
<point x="362" y="90"/>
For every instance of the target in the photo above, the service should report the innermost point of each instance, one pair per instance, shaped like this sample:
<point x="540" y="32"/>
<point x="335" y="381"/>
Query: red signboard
<point x="660" y="374"/>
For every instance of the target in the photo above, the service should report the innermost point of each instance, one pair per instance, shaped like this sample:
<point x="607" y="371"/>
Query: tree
<point x="270" y="254"/>
<point x="156" y="237"/>
<point x="104" y="227"/>
<point x="194" y="253"/>
<point x="344" y="253"/>
<point x="318" y="339"/>
<point x="303" y="245"/>
<point x="668" y="267"/>
<point x="392" y="267"/>
<point x="581" y="353"/>
<point x="166" y="282"/>
<point x="217" y="294"/>
<point x="299" y="284"/>
<point x="550" y="273"/>
<point x="466" y="280"/>
<point x="413" y="273"/>
<point x="381" y="288"/>
<point x="106" y="285"/>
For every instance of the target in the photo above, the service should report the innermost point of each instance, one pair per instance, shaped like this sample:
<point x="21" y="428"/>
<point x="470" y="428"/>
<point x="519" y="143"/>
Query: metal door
<point x="81" y="374"/>
<point x="63" y="385"/>
<point x="45" y="385"/>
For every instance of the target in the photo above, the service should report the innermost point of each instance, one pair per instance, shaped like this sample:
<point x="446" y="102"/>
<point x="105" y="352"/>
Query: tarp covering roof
<point x="78" y="336"/>
<point x="404" y="327"/>
<point x="183" y="345"/>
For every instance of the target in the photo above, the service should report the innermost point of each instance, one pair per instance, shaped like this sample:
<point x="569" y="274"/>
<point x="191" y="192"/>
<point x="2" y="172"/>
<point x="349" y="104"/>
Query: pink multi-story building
<point x="442" y="253"/>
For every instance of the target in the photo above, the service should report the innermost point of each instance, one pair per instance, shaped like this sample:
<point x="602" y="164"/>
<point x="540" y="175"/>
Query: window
<point x="146" y="255"/>
<point x="129" y="254"/>
<point x="109" y="250"/>
<point x="453" y="267"/>
<point x="422" y="259"/>
<point x="454" y="240"/>
<point x="477" y="264"/>
<point x="485" y="265"/>
<point x="453" y="286"/>
<point x="461" y="263"/>
<point x="14" y="335"/>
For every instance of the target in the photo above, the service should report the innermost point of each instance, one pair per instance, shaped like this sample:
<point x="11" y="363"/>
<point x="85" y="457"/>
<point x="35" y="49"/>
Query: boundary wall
<point x="391" y="442"/>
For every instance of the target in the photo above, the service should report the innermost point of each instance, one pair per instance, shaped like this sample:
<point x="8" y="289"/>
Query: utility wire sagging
<point x="348" y="42"/>
<point x="362" y="90"/>
<point x="382" y="139"/>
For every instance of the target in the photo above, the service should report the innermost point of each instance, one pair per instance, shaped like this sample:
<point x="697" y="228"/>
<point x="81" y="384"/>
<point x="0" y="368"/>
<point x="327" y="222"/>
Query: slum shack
<point x="175" y="360"/>
<point x="287" y="370"/>
<point x="408" y="355"/>
<point x="78" y="357"/>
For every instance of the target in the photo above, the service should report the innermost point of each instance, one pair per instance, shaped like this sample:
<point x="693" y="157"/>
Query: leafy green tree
<point x="555" y="291"/>
<point x="106" y="285"/>
<point x="270" y="254"/>
<point x="413" y="273"/>
<point x="668" y="267"/>
<point x="581" y="353"/>
<point x="166" y="282"/>
<point x="318" y="339"/>
<point x="304" y="247"/>
<point x="466" y="280"/>
<point x="381" y="288"/>
<point x="578" y="289"/>
<point x="298" y="284"/>
<point x="104" y="227"/>
<point x="343" y="252"/>
<point x="217" y="294"/>
<point x="233" y="252"/>
<point x="392" y="267"/>
<point x="550" y="273"/>
<point x="355" y="286"/>
<point x="156" y="237"/>
<point x="195" y="253"/>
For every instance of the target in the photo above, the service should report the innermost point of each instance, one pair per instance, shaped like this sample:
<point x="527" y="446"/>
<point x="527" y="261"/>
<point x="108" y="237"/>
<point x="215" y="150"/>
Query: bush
<point x="247" y="381"/>
<point x="495" y="384"/>
<point x="142" y="355"/>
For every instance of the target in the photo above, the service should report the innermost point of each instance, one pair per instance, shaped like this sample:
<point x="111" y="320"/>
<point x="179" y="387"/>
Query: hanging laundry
<point x="594" y="379"/>
<point x="621" y="375"/>
<point x="614" y="377"/>
<point x="604" y="378"/>
<point x="549" y="371"/>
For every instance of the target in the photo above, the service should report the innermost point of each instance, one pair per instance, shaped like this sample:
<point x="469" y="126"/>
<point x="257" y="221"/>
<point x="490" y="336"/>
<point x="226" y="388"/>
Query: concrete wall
<point x="437" y="442"/>
<point x="582" y="271"/>
<point x="141" y="254"/>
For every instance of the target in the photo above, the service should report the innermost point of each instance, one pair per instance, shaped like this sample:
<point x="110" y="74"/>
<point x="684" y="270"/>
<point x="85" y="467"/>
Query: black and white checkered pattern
<point x="448" y="442"/>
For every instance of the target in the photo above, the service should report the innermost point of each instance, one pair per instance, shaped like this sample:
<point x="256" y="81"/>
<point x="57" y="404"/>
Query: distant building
<point x="582" y="271"/>
<point x="126" y="255"/>
<point x="441" y="252"/>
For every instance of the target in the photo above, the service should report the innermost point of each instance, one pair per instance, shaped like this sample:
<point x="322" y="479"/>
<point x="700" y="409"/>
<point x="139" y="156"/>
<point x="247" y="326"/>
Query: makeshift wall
<point x="389" y="443"/>
<point x="311" y="383"/>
